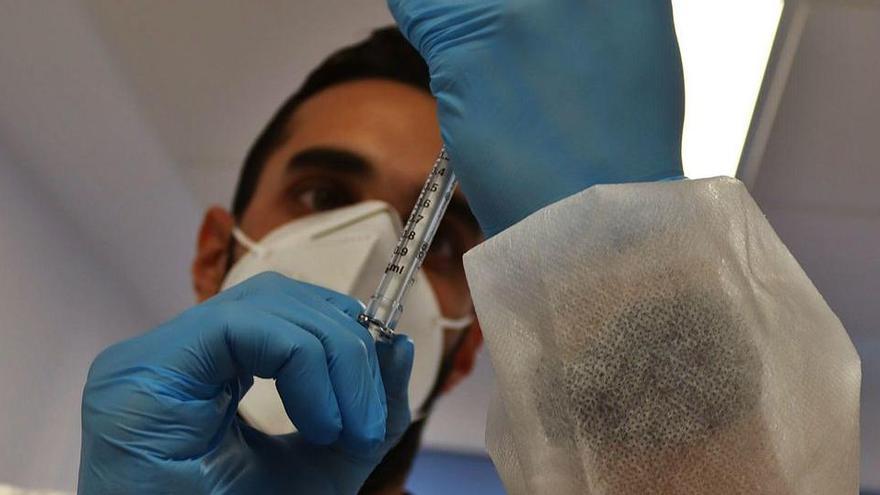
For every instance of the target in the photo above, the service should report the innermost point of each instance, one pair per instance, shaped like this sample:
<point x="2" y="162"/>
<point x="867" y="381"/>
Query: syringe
<point x="386" y="305"/>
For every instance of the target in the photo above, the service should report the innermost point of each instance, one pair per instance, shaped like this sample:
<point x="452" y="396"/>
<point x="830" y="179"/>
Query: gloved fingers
<point x="273" y="282"/>
<point x="347" y="304"/>
<point x="351" y="359"/>
<point x="396" y="360"/>
<point x="342" y="308"/>
<point x="339" y="306"/>
<point x="428" y="24"/>
<point x="414" y="18"/>
<point x="351" y="356"/>
<point x="243" y="339"/>
<point x="317" y="304"/>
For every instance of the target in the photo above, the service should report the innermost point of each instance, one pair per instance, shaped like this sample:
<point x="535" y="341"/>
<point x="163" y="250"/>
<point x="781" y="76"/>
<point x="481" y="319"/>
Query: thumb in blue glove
<point x="540" y="99"/>
<point x="159" y="411"/>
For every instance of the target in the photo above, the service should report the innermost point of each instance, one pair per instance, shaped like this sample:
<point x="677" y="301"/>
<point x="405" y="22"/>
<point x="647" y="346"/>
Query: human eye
<point x="447" y="249"/>
<point x="317" y="195"/>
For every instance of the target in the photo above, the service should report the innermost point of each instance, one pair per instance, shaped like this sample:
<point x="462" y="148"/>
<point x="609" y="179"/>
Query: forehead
<point x="392" y="125"/>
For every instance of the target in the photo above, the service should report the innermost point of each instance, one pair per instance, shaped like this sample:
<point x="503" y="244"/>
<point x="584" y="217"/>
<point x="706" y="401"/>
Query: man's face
<point x="357" y="141"/>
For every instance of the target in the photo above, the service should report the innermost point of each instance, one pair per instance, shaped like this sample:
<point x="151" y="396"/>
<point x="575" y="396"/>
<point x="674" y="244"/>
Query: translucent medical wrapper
<point x="660" y="339"/>
<point x="385" y="307"/>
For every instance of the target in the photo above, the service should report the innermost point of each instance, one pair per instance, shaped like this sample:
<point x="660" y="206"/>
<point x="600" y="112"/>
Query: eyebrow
<point x="349" y="162"/>
<point x="329" y="158"/>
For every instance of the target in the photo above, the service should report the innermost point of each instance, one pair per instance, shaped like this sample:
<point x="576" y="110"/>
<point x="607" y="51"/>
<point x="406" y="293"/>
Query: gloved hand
<point x="540" y="99"/>
<point x="159" y="411"/>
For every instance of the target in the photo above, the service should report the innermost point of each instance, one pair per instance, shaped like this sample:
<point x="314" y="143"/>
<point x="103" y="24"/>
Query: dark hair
<point x="384" y="55"/>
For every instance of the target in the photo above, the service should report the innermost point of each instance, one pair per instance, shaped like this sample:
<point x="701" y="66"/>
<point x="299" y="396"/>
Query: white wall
<point x="59" y="305"/>
<point x="68" y="113"/>
<point x="96" y="230"/>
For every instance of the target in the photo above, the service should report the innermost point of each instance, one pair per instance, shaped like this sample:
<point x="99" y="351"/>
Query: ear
<point x="464" y="360"/>
<point x="212" y="252"/>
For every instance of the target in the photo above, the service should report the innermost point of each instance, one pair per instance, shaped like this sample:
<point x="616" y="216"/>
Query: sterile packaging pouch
<point x="659" y="338"/>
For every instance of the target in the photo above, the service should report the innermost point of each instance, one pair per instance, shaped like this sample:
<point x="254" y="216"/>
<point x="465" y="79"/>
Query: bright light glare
<point x="725" y="46"/>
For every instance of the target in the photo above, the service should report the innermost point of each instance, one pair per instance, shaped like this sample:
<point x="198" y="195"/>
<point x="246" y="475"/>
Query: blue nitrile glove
<point x="159" y="411"/>
<point x="540" y="99"/>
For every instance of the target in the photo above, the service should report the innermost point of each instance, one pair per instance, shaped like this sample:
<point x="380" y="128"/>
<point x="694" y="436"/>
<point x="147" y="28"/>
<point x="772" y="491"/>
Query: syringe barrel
<point x="386" y="305"/>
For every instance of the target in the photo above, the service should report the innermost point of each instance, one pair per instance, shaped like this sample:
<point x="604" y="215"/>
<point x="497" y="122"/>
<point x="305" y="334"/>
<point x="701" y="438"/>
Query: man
<point x="362" y="127"/>
<point x="649" y="334"/>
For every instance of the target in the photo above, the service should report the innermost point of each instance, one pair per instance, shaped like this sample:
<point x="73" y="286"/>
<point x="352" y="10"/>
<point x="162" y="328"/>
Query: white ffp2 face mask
<point x="345" y="250"/>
